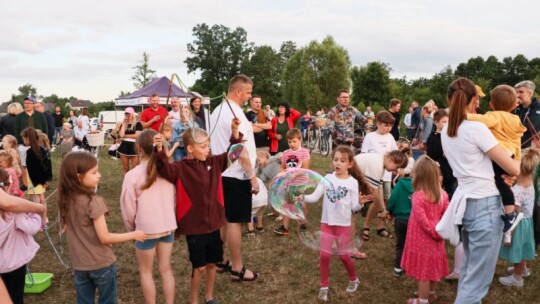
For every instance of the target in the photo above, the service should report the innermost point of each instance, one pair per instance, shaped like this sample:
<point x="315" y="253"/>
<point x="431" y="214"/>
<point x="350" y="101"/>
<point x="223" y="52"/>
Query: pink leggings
<point x="342" y="236"/>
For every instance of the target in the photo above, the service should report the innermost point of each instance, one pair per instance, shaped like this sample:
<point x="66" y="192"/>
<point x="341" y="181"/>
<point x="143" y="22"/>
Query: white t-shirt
<point x="221" y="120"/>
<point x="175" y="115"/>
<point x="372" y="166"/>
<point x="261" y="198"/>
<point x="466" y="154"/>
<point x="337" y="207"/>
<point x="380" y="144"/>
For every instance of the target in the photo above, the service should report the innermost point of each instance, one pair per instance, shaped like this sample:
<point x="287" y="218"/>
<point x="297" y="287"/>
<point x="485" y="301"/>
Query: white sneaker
<point x="511" y="281"/>
<point x="526" y="273"/>
<point x="353" y="285"/>
<point x="323" y="294"/>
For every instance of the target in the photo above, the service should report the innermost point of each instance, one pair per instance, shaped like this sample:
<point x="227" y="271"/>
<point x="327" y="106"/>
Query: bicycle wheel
<point x="324" y="146"/>
<point x="311" y="141"/>
<point x="314" y="144"/>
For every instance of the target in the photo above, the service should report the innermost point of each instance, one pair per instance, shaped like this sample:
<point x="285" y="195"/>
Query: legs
<point x="373" y="209"/>
<point x="482" y="237"/>
<point x="145" y="258"/>
<point x="234" y="242"/>
<point x="125" y="163"/>
<point x="401" y="234"/>
<point x="14" y="281"/>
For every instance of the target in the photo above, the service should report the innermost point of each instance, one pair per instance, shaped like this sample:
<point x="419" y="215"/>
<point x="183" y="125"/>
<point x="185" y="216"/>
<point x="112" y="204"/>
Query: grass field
<point x="288" y="270"/>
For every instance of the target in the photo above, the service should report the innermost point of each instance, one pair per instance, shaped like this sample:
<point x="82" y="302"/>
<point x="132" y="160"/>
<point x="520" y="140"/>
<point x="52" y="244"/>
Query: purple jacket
<point x="17" y="246"/>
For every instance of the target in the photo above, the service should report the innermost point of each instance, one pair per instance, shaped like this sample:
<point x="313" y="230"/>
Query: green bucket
<point x="37" y="282"/>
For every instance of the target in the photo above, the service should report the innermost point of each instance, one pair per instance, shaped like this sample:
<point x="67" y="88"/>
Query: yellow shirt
<point x="506" y="127"/>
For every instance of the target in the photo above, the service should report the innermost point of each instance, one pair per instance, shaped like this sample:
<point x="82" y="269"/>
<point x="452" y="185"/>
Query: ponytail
<point x="460" y="94"/>
<point x="145" y="142"/>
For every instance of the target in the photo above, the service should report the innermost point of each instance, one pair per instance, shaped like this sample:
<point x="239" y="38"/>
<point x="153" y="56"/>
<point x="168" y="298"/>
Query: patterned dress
<point x="424" y="257"/>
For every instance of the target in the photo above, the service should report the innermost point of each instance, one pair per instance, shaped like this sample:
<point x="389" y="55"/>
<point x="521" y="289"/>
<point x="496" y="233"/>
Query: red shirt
<point x="149" y="113"/>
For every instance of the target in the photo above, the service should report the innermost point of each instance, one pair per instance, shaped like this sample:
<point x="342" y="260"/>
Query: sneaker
<point x="358" y="255"/>
<point x="526" y="273"/>
<point x="511" y="220"/>
<point x="250" y="232"/>
<point x="452" y="277"/>
<point x="323" y="294"/>
<point x="279" y="218"/>
<point x="259" y="229"/>
<point x="353" y="285"/>
<point x="281" y="231"/>
<point x="398" y="272"/>
<point x="511" y="281"/>
<point x="303" y="227"/>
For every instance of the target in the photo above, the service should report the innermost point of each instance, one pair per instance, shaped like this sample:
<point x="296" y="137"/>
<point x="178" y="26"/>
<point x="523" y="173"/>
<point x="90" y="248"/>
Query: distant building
<point x="78" y="104"/>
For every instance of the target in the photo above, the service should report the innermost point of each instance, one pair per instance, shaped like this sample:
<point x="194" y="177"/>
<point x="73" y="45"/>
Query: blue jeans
<point x="104" y="280"/>
<point x="482" y="237"/>
<point x="57" y="131"/>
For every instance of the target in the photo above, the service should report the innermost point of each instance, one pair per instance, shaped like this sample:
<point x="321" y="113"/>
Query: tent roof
<point x="159" y="86"/>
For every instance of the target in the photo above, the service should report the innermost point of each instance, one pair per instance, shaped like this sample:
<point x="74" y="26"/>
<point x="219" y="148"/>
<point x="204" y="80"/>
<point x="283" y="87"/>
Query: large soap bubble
<point x="331" y="243"/>
<point x="289" y="187"/>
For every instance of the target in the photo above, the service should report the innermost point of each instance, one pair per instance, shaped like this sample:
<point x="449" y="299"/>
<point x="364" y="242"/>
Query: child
<point x="522" y="246"/>
<point x="43" y="140"/>
<point x="336" y="220"/>
<point x="38" y="164"/>
<point x="424" y="256"/>
<point x="166" y="129"/>
<point x="399" y="208"/>
<point x="435" y="151"/>
<point x="259" y="200"/>
<point x="507" y="129"/>
<point x="6" y="163"/>
<point x="373" y="167"/>
<point x="186" y="122"/>
<point x="200" y="214"/>
<point x="294" y="157"/>
<point x="9" y="143"/>
<point x="380" y="142"/>
<point x="82" y="215"/>
<point x="140" y="190"/>
<point x="18" y="246"/>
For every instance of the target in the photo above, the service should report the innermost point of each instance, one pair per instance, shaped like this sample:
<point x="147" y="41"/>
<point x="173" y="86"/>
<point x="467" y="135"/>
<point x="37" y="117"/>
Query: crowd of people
<point x="472" y="182"/>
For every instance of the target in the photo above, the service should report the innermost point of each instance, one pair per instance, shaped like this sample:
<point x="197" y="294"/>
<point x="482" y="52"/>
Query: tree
<point x="264" y="67"/>
<point x="218" y="53"/>
<point x="143" y="72"/>
<point x="439" y="85"/>
<point x="371" y="83"/>
<point x="315" y="73"/>
<point x="24" y="91"/>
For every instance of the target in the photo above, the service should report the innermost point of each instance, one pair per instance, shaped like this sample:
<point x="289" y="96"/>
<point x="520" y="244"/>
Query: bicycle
<point x="318" y="137"/>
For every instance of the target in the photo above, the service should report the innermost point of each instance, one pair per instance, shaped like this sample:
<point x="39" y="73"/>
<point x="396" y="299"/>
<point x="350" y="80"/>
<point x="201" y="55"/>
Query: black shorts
<point x="205" y="249"/>
<point x="237" y="194"/>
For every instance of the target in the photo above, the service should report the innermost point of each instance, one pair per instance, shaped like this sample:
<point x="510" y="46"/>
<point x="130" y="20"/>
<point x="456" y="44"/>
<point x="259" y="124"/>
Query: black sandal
<point x="241" y="274"/>
<point x="365" y="234"/>
<point x="223" y="267"/>
<point x="384" y="233"/>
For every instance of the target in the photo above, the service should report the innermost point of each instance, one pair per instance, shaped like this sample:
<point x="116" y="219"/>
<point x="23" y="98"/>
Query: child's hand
<point x="176" y="145"/>
<point x="158" y="142"/>
<point x="235" y="123"/>
<point x="254" y="185"/>
<point x="138" y="235"/>
<point x="365" y="198"/>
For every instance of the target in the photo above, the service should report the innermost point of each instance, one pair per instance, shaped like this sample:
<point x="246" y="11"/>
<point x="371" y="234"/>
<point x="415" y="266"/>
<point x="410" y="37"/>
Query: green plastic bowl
<point x="37" y="282"/>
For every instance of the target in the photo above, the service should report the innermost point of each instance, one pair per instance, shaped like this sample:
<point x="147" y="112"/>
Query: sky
<point x="87" y="49"/>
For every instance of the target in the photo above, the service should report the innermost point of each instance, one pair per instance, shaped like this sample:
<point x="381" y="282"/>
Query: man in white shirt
<point x="175" y="111"/>
<point x="236" y="185"/>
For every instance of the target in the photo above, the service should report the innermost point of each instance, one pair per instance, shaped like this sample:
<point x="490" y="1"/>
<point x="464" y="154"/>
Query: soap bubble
<point x="332" y="243"/>
<point x="235" y="151"/>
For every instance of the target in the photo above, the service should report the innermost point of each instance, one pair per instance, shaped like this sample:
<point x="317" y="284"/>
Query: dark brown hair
<point x="399" y="158"/>
<point x="33" y="140"/>
<point x="460" y="93"/>
<point x="440" y="114"/>
<point x="385" y="117"/>
<point x="75" y="164"/>
<point x="394" y="102"/>
<point x="503" y="98"/>
<point x="145" y="143"/>
<point x="354" y="171"/>
<point x="342" y="91"/>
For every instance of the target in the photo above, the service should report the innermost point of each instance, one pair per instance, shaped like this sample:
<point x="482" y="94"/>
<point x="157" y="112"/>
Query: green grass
<point x="288" y="270"/>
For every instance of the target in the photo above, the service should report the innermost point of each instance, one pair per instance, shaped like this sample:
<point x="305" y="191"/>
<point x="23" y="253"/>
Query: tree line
<point x="308" y="77"/>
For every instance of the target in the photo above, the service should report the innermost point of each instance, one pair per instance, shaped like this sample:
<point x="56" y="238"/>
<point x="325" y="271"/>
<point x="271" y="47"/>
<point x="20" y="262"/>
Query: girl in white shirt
<point x="338" y="205"/>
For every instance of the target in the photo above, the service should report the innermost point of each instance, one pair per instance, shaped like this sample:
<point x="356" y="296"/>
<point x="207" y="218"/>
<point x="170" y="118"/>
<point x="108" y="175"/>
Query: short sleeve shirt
<point x="372" y="166"/>
<point x="85" y="250"/>
<point x="149" y="113"/>
<point x="294" y="159"/>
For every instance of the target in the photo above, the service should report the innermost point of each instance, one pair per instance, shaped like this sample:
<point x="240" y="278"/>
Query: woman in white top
<point x="470" y="147"/>
<point x="85" y="120"/>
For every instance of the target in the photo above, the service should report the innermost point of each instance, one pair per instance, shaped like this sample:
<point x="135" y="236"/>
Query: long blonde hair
<point x="427" y="178"/>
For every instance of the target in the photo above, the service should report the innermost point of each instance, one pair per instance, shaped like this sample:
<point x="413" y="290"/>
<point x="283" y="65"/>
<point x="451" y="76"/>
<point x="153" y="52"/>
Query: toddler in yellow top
<point x="508" y="130"/>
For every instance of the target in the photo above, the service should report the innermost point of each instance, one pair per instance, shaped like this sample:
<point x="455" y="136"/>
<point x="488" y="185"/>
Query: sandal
<point x="359" y="255"/>
<point x="415" y="301"/>
<point x="241" y="274"/>
<point x="384" y="233"/>
<point x="365" y="234"/>
<point x="223" y="267"/>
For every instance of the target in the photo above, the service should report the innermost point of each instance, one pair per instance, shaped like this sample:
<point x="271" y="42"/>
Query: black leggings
<point x="506" y="192"/>
<point x="14" y="282"/>
<point x="401" y="235"/>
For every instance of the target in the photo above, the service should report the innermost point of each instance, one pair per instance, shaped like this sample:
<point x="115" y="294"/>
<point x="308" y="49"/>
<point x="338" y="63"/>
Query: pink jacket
<point x="272" y="133"/>
<point x="17" y="246"/>
<point x="151" y="210"/>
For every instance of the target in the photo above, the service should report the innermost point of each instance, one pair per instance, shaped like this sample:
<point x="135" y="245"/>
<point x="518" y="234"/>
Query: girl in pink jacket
<point x="18" y="246"/>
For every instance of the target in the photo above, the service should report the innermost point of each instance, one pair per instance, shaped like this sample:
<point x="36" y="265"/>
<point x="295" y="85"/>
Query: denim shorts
<point x="152" y="243"/>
